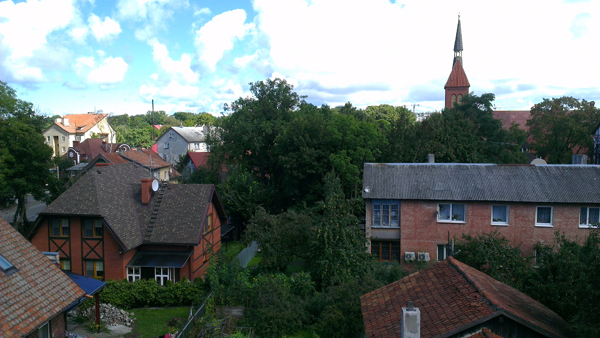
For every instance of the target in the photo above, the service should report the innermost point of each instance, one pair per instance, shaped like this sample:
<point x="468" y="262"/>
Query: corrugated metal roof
<point x="192" y="134"/>
<point x="482" y="182"/>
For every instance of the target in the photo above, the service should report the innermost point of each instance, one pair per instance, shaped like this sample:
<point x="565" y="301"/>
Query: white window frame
<point x="134" y="273"/>
<point x="63" y="139"/>
<point x="445" y="252"/>
<point x="587" y="219"/>
<point x="507" y="215"/>
<point x="48" y="139"/>
<point x="385" y="202"/>
<point x="166" y="145"/>
<point x="44" y="331"/>
<point x="159" y="277"/>
<point x="544" y="225"/>
<point x="451" y="220"/>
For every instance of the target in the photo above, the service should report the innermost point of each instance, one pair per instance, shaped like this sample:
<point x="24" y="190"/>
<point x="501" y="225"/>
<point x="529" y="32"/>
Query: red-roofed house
<point x="456" y="300"/>
<point x="89" y="149"/>
<point x="34" y="293"/>
<point x="72" y="129"/>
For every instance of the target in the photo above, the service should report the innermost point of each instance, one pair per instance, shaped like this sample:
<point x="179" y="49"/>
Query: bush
<point x="143" y="293"/>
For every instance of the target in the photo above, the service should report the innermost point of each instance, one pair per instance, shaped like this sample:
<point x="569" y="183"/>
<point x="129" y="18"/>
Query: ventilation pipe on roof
<point x="411" y="321"/>
<point x="430" y="158"/>
<point x="146" y="190"/>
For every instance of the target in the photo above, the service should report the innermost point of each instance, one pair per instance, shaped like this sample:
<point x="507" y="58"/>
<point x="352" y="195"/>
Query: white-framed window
<point x="63" y="139"/>
<point x="166" y="175"/>
<point x="443" y="251"/>
<point x="589" y="217"/>
<point x="543" y="216"/>
<point x="134" y="273"/>
<point x="78" y="138"/>
<point x="44" y="331"/>
<point x="162" y="275"/>
<point x="63" y="149"/>
<point x="451" y="212"/>
<point x="166" y="145"/>
<point x="386" y="213"/>
<point x="500" y="215"/>
<point x="48" y="139"/>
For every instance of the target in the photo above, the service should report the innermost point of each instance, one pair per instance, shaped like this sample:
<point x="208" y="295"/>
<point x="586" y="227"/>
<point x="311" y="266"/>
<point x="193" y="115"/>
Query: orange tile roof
<point x="485" y="333"/>
<point x="507" y="117"/>
<point x="35" y="293"/>
<point x="458" y="77"/>
<point x="451" y="295"/>
<point x="146" y="157"/>
<point x="80" y="123"/>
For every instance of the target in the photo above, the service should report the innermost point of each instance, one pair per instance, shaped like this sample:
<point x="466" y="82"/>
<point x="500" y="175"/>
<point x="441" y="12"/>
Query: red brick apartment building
<point x="117" y="223"/>
<point x="414" y="210"/>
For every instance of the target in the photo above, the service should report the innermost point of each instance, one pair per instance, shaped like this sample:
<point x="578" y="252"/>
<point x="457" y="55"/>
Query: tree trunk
<point x="20" y="221"/>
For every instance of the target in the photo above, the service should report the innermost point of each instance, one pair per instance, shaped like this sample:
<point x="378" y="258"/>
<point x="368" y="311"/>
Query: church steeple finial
<point x="458" y="43"/>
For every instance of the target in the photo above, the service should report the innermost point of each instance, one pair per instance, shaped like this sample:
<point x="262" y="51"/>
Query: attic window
<point x="7" y="267"/>
<point x="80" y="128"/>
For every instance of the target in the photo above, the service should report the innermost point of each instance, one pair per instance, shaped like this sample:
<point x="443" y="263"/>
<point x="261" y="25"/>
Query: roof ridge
<point x="155" y="209"/>
<point x="488" y="296"/>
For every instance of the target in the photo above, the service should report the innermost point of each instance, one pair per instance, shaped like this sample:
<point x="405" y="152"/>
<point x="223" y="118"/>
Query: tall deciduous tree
<point x="562" y="127"/>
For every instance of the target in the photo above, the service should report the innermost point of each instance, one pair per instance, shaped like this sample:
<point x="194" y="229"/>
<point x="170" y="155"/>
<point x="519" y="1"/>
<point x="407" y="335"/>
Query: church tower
<point x="457" y="85"/>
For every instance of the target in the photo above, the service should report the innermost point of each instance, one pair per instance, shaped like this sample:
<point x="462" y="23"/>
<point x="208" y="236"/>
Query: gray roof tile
<point x="483" y="182"/>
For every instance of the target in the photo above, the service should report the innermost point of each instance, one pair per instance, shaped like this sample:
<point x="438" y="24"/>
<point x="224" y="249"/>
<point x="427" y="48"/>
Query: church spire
<point x="458" y="44"/>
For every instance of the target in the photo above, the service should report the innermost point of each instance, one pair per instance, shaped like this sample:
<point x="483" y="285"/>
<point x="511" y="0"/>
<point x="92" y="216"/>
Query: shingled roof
<point x="453" y="297"/>
<point x="145" y="157"/>
<point x="114" y="193"/>
<point x="35" y="292"/>
<point x="482" y="182"/>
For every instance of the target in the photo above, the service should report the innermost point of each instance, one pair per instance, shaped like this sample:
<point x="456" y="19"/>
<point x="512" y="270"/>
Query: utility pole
<point x="153" y="120"/>
<point x="415" y="105"/>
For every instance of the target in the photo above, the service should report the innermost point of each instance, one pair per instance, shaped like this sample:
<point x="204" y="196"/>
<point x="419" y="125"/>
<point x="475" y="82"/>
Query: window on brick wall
<point x="59" y="227"/>
<point x="134" y="273"/>
<point x="94" y="269"/>
<point x="65" y="264"/>
<point x="543" y="216"/>
<point x="386" y="213"/>
<point x="386" y="250"/>
<point x="499" y="214"/>
<point x="589" y="217"/>
<point x="93" y="228"/>
<point x="451" y="212"/>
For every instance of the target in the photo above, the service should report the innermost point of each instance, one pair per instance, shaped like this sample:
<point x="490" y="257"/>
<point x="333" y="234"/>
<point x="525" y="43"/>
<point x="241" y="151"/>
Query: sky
<point x="78" y="56"/>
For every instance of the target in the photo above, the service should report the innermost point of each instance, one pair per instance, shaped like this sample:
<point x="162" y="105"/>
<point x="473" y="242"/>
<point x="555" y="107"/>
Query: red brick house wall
<point x="420" y="230"/>
<point x="109" y="250"/>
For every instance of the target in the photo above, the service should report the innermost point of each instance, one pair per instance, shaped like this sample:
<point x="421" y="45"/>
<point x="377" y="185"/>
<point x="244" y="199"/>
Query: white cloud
<point x="79" y="34"/>
<point x="154" y="14"/>
<point x="103" y="30"/>
<point x="218" y="36"/>
<point x="202" y="11"/>
<point x="179" y="70"/>
<point x="24" y="28"/>
<point x="172" y="92"/>
<point x="109" y="71"/>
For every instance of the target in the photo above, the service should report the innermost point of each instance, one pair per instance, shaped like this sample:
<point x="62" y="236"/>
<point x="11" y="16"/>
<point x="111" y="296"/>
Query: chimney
<point x="579" y="159"/>
<point x="146" y="190"/>
<point x="58" y="120"/>
<point x="139" y="148"/>
<point x="65" y="122"/>
<point x="430" y="158"/>
<point x="411" y="322"/>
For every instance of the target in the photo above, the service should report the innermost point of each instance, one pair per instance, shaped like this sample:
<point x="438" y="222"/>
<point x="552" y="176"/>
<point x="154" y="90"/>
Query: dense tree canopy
<point x="562" y="127"/>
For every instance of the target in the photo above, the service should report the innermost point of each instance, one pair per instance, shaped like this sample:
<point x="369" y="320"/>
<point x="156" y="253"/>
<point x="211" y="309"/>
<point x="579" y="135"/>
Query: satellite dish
<point x="154" y="185"/>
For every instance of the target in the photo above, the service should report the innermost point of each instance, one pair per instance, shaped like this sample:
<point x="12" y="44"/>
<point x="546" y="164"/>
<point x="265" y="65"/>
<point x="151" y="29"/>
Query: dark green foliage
<point x="468" y="133"/>
<point x="493" y="254"/>
<point x="242" y="193"/>
<point x="567" y="280"/>
<point x="282" y="237"/>
<point x="143" y="293"/>
<point x="562" y="127"/>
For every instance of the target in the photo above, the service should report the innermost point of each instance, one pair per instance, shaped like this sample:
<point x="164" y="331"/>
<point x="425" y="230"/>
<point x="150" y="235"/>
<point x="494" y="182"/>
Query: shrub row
<point x="144" y="293"/>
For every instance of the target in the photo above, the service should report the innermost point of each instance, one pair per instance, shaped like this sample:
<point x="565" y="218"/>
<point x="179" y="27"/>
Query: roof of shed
<point x="482" y="182"/>
<point x="36" y="292"/>
<point x="451" y="296"/>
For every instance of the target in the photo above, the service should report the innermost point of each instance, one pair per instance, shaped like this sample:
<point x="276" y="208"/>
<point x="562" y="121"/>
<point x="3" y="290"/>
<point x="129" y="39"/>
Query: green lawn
<point x="255" y="260"/>
<point x="153" y="322"/>
<point x="233" y="249"/>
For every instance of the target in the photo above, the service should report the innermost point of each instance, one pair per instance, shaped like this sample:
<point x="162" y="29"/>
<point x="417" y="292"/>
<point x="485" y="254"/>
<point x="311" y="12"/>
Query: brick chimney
<point x="146" y="189"/>
<point x="411" y="322"/>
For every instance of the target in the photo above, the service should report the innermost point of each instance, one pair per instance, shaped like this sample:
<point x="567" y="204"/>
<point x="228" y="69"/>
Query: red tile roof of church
<point x="457" y="77"/>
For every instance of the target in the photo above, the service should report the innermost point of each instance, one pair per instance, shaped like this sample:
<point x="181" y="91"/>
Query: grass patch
<point x="153" y="322"/>
<point x="255" y="260"/>
<point x="233" y="249"/>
